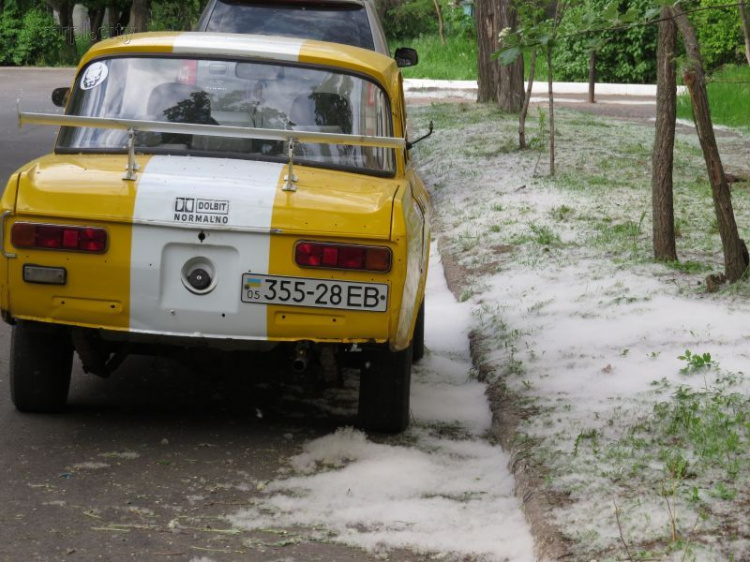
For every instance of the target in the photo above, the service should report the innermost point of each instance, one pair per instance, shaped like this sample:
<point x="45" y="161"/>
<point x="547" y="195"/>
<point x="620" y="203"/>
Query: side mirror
<point x="406" y="56"/>
<point x="60" y="96"/>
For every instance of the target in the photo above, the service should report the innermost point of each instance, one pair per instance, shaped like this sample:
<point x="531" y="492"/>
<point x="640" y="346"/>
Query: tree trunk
<point x="526" y="100"/>
<point x="662" y="197"/>
<point x="124" y="22"/>
<point x="440" y="22"/>
<point x="501" y="84"/>
<point x="64" y="9"/>
<point x="96" y="19"/>
<point x="592" y="76"/>
<point x="735" y="251"/>
<point x="113" y="18"/>
<point x="745" y="22"/>
<point x="551" y="95"/>
<point x="139" y="15"/>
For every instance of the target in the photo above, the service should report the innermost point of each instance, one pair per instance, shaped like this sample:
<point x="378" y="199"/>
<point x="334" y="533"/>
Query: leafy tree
<point x="627" y="55"/>
<point x="718" y="33"/>
<point x="29" y="32"/>
<point x="531" y="35"/>
<point x="139" y="15"/>
<point x="96" y="9"/>
<point x="745" y="23"/>
<point x="175" y="16"/>
<point x="406" y="20"/>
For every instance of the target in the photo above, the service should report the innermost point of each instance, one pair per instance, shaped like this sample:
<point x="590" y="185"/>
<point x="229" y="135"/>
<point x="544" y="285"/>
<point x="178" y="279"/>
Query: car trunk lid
<point x="209" y="193"/>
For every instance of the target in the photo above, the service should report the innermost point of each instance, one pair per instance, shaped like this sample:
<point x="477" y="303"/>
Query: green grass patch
<point x="456" y="60"/>
<point x="728" y="94"/>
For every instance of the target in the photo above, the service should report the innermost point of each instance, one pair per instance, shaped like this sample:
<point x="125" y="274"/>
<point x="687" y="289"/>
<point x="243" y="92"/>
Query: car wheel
<point x="417" y="341"/>
<point x="384" y="390"/>
<point x="41" y="360"/>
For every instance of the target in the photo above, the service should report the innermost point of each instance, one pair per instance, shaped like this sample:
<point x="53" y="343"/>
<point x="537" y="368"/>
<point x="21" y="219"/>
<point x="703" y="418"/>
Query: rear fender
<point x="409" y="234"/>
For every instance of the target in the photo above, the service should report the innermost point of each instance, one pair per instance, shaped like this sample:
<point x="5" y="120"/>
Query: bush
<point x="627" y="55"/>
<point x="175" y="16"/>
<point x="719" y="33"/>
<point x="33" y="38"/>
<point x="411" y="19"/>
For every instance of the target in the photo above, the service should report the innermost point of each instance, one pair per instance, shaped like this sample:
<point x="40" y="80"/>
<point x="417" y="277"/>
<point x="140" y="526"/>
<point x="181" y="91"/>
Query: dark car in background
<point x="350" y="22"/>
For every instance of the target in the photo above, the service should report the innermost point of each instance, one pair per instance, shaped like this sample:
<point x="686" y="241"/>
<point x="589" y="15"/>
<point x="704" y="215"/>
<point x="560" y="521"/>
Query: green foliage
<point x="413" y="18"/>
<point x="33" y="37"/>
<point x="175" y="16"/>
<point x="544" y="235"/>
<point x="417" y="18"/>
<point x="719" y="33"/>
<point x="695" y="362"/>
<point x="627" y="55"/>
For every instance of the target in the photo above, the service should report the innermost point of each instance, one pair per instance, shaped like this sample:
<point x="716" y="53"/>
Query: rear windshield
<point x="238" y="93"/>
<point x="334" y="22"/>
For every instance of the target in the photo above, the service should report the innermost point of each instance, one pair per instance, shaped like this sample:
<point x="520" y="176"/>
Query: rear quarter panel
<point x="411" y="233"/>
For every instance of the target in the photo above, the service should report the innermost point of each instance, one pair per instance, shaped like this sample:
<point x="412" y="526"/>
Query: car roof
<point x="231" y="45"/>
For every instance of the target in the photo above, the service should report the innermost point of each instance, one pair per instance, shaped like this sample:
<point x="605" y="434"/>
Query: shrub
<point x="30" y="39"/>
<point x="719" y="33"/>
<point x="411" y="19"/>
<point x="627" y="55"/>
<point x="39" y="40"/>
<point x="175" y="16"/>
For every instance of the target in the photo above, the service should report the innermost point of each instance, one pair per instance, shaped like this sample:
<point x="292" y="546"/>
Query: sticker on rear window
<point x="94" y="75"/>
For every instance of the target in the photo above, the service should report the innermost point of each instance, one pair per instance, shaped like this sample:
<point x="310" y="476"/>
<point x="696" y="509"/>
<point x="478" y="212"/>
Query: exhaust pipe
<point x="301" y="357"/>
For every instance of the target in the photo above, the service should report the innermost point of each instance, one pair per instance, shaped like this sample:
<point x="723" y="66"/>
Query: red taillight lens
<point x="378" y="259"/>
<point x="342" y="256"/>
<point x="55" y="237"/>
<point x="92" y="239"/>
<point x="23" y="235"/>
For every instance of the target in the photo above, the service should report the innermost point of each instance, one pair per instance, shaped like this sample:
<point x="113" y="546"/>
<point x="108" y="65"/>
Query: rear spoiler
<point x="134" y="126"/>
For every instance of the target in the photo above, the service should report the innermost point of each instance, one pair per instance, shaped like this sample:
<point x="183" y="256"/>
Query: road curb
<point x="581" y="88"/>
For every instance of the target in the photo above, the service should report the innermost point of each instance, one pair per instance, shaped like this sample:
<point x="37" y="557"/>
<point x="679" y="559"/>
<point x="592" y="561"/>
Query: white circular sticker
<point x="94" y="75"/>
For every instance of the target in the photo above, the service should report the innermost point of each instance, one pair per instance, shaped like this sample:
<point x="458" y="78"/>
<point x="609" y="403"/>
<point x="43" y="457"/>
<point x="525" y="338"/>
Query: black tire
<point x="41" y="361"/>
<point x="417" y="342"/>
<point x="384" y="389"/>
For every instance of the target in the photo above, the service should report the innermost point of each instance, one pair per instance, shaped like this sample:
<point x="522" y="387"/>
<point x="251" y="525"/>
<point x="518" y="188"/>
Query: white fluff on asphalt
<point x="423" y="492"/>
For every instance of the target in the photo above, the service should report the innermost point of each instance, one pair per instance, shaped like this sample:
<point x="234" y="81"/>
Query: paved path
<point x="623" y="101"/>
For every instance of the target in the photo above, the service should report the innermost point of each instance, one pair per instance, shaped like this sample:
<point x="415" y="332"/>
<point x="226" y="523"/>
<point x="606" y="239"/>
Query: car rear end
<point x="213" y="241"/>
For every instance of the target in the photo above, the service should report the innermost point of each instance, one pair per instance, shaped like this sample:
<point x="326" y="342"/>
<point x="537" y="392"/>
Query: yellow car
<point x="221" y="191"/>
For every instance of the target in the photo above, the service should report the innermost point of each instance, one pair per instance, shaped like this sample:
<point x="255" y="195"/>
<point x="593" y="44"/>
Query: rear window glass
<point x="334" y="22"/>
<point x="235" y="93"/>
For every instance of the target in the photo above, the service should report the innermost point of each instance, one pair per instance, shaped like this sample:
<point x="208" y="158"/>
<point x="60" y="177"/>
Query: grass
<point x="728" y="92"/>
<point x="456" y="60"/>
<point x="673" y="456"/>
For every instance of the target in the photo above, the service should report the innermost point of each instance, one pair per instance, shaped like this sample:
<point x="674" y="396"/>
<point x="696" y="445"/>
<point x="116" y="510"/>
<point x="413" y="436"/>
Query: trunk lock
<point x="199" y="276"/>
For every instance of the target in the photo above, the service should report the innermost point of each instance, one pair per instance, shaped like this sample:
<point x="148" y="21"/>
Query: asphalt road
<point x="144" y="464"/>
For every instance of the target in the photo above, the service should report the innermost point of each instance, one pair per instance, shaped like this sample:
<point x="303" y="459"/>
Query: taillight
<point x="343" y="256"/>
<point x="56" y="237"/>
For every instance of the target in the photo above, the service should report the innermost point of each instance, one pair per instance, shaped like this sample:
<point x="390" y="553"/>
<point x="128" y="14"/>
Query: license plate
<point x="319" y="293"/>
